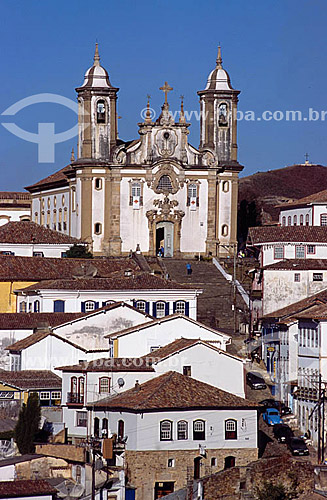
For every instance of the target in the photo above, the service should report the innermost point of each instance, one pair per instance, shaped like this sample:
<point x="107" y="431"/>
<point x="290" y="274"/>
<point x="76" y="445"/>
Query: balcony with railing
<point x="75" y="399"/>
<point x="306" y="393"/>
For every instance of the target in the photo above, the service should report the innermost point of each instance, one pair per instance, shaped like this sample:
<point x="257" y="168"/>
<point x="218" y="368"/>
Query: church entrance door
<point x="165" y="238"/>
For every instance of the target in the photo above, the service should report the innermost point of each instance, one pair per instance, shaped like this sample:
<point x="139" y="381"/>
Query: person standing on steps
<point x="188" y="269"/>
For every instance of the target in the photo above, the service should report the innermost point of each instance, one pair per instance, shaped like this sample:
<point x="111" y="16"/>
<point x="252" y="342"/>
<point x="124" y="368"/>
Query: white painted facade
<point x="280" y="287"/>
<point x="42" y="250"/>
<point x="13" y="215"/>
<point x="207" y="364"/>
<point x="309" y="215"/>
<point x="52" y="208"/>
<point x="269" y="252"/>
<point x="143" y="340"/>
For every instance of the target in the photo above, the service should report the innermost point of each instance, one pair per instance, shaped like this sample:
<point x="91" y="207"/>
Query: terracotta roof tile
<point x="173" y="391"/>
<point x="36" y="337"/>
<point x="15" y="195"/>
<point x="14" y="268"/>
<point x="139" y="281"/>
<point x="320" y="197"/>
<point x="30" y="321"/>
<point x="24" y="232"/>
<point x="111" y="365"/>
<point x="31" y="379"/>
<point x="285" y="234"/>
<point x="297" y="307"/>
<point x="298" y="265"/>
<point x="29" y="488"/>
<point x="58" y="177"/>
<point x="318" y="311"/>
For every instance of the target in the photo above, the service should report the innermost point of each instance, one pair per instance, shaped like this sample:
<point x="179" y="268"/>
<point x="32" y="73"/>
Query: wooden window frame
<point x="199" y="435"/>
<point x="169" y="432"/>
<point x="230" y="434"/>
<point x="101" y="391"/>
<point x="183" y="432"/>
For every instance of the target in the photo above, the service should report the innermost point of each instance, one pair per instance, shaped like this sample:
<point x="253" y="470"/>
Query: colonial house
<point x="32" y="240"/>
<point x="141" y="339"/>
<point x="90" y="381"/>
<point x="15" y="206"/>
<point x="147" y="292"/>
<point x="174" y="428"/>
<point x="15" y="387"/>
<point x="308" y="211"/>
<point x="20" y="272"/>
<point x="202" y="360"/>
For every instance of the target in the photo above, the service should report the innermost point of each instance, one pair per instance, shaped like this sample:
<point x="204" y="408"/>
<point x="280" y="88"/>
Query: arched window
<point x="164" y="184"/>
<point x="104" y="385"/>
<point x="222" y="114"/>
<point x="198" y="430"/>
<point x="89" y="305"/>
<point x="73" y="385"/>
<point x="160" y="309"/>
<point x="135" y="195"/>
<point x="36" y="217"/>
<point x="182" y="428"/>
<point x="224" y="230"/>
<point x="225" y="186"/>
<point x="289" y="220"/>
<point x="192" y="196"/>
<point x="284" y="221"/>
<point x="136" y="189"/>
<point x="192" y="191"/>
<point x="97" y="228"/>
<point x="141" y="305"/>
<point x="180" y="307"/>
<point x="81" y="389"/>
<point x="101" y="111"/>
<point x="105" y="424"/>
<point x="307" y="219"/>
<point x="96" y="427"/>
<point x="98" y="183"/>
<point x="36" y="306"/>
<point x="294" y="220"/>
<point x="23" y="307"/>
<point x="301" y="220"/>
<point x="166" y="427"/>
<point x="121" y="430"/>
<point x="230" y="429"/>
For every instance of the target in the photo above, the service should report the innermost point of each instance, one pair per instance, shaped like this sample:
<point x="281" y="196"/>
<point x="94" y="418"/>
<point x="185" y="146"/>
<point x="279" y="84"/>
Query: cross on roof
<point x="166" y="88"/>
<point x="306" y="156"/>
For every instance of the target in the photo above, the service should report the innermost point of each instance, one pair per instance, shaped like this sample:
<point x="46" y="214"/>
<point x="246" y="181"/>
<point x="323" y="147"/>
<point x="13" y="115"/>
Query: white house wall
<point x="267" y="252"/>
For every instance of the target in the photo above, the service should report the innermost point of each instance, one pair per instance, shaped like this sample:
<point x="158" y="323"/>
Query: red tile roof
<point x="24" y="232"/>
<point x="298" y="265"/>
<point x="59" y="178"/>
<point x="318" y="311"/>
<point x="297" y="307"/>
<point x="14" y="268"/>
<point x="29" y="488"/>
<point x="14" y="195"/>
<point x="140" y="281"/>
<point x="111" y="365"/>
<point x="285" y="234"/>
<point x="320" y="197"/>
<point x="36" y="337"/>
<point x="30" y="321"/>
<point x="31" y="379"/>
<point x="173" y="391"/>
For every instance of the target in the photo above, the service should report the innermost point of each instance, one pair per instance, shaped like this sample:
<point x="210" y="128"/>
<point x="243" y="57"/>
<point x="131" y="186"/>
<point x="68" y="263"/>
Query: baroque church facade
<point x="155" y="192"/>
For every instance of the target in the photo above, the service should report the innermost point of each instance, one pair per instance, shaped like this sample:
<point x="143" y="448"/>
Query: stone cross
<point x="166" y="88"/>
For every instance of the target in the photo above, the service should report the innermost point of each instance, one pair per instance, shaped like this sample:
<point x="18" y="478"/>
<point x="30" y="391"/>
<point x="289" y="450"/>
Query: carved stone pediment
<point x="173" y="186"/>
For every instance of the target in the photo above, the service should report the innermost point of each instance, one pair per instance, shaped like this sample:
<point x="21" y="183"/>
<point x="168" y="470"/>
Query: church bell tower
<point x="97" y="114"/>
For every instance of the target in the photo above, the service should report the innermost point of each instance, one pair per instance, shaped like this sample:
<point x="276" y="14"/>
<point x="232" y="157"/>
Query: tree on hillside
<point x="78" y="252"/>
<point x="278" y="491"/>
<point x="28" y="424"/>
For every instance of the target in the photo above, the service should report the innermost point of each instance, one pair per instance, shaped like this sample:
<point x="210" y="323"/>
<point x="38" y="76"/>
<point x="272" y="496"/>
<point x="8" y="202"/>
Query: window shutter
<point x="83" y="307"/>
<point x="131" y="201"/>
<point x="103" y="304"/>
<point x="147" y="307"/>
<point x="59" y="306"/>
<point x="187" y="308"/>
<point x="174" y="307"/>
<point x="96" y="305"/>
<point x="167" y="308"/>
<point x="197" y="201"/>
<point x="154" y="309"/>
<point x="134" y="303"/>
<point x="188" y="201"/>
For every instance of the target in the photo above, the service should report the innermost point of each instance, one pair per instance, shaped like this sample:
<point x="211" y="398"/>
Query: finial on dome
<point x="148" y="112"/>
<point x="181" y="114"/>
<point x="219" y="60"/>
<point x="96" y="55"/>
<point x="72" y="156"/>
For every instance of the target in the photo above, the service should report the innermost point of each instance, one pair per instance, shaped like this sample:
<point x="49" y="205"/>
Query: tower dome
<point x="96" y="75"/>
<point x="219" y="78"/>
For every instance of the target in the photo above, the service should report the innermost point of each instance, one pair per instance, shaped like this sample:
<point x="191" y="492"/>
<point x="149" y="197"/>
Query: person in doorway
<point x="162" y="251"/>
<point x="189" y="269"/>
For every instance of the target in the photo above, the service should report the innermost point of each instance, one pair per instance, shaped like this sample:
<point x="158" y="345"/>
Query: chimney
<point x="137" y="386"/>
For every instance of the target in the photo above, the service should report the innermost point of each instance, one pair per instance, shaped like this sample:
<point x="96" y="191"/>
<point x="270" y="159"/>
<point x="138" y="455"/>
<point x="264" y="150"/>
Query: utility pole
<point x="234" y="289"/>
<point x="319" y="419"/>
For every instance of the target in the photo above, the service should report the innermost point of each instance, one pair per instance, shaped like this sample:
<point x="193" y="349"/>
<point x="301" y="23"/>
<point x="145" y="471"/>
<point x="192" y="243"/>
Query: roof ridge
<point x="167" y="378"/>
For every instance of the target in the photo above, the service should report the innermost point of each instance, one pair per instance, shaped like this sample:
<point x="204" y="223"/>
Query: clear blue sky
<point x="274" y="51"/>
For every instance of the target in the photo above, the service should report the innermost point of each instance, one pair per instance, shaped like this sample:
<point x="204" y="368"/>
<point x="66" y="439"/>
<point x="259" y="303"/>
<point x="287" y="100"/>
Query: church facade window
<point x="164" y="184"/>
<point x="101" y="111"/>
<point x="136" y="194"/>
<point x="192" y="196"/>
<point x="98" y="183"/>
<point x="222" y="114"/>
<point x="73" y="199"/>
<point x="224" y="230"/>
<point x="97" y="228"/>
<point x="225" y="186"/>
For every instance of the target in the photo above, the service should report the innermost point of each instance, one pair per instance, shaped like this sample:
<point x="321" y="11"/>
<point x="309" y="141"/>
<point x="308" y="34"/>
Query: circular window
<point x="166" y="135"/>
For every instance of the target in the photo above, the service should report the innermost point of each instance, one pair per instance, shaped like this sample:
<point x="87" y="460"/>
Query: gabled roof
<point x="320" y="197"/>
<point x="30" y="321"/>
<point x="14" y="268"/>
<point x="160" y="321"/>
<point x="24" y="232"/>
<point x="182" y="344"/>
<point x="36" y="337"/>
<point x="173" y="391"/>
<point x="297" y="307"/>
<point x="298" y="265"/>
<point x="26" y="488"/>
<point x="59" y="178"/>
<point x="31" y="379"/>
<point x="140" y="281"/>
<point x="317" y="312"/>
<point x="111" y="365"/>
<point x="287" y="234"/>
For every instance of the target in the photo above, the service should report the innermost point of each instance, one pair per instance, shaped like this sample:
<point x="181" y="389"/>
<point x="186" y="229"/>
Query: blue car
<point x="272" y="417"/>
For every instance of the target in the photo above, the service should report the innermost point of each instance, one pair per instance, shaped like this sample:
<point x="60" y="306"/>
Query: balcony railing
<point x="74" y="398"/>
<point x="307" y="393"/>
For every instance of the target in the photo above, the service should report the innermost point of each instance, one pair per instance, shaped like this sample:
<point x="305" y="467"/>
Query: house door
<point x="197" y="464"/>
<point x="162" y="489"/>
<point x="229" y="462"/>
<point x="165" y="238"/>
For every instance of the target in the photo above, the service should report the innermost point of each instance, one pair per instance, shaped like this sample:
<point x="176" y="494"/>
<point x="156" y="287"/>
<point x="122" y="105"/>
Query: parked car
<point x="297" y="446"/>
<point x="272" y="403"/>
<point x="272" y="417"/>
<point x="282" y="433"/>
<point x="255" y="380"/>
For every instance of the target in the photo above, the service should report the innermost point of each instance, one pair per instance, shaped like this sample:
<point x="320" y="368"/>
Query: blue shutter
<point x="174" y="307"/>
<point x="167" y="308"/>
<point x="154" y="309"/>
<point x="83" y="307"/>
<point x="96" y="305"/>
<point x="147" y="307"/>
<point x="59" y="306"/>
<point x="134" y="303"/>
<point x="103" y="304"/>
<point x="187" y="308"/>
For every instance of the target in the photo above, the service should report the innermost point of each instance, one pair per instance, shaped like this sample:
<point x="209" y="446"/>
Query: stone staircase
<point x="215" y="303"/>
